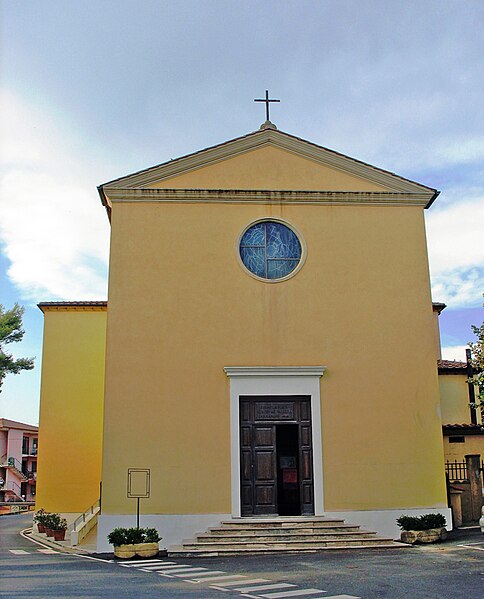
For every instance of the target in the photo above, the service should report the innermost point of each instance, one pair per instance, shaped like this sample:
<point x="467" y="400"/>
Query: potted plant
<point x="428" y="528"/>
<point x="149" y="545"/>
<point x="129" y="542"/>
<point x="50" y="522"/>
<point x="60" y="529"/>
<point x="39" y="519"/>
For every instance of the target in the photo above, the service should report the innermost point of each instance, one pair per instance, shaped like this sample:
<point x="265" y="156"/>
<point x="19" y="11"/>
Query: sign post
<point x="138" y="486"/>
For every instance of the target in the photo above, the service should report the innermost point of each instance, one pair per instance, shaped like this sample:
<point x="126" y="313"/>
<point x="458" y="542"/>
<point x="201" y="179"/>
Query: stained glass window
<point x="270" y="250"/>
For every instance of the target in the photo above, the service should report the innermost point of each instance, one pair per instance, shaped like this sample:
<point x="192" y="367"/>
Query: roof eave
<point x="432" y="199"/>
<point x="104" y="201"/>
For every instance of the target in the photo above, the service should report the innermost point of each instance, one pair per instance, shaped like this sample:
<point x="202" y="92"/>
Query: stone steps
<point x="281" y="538"/>
<point x="280" y="535"/>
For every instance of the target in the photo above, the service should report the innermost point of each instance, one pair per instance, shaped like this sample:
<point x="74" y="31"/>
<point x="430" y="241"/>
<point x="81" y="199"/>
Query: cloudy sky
<point x="94" y="90"/>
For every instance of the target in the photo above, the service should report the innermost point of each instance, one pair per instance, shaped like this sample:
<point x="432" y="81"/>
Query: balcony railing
<point x="30" y="474"/>
<point x="12" y="462"/>
<point x="13" y="487"/>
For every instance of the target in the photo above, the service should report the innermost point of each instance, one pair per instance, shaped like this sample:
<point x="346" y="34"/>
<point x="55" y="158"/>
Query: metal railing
<point x="85" y="515"/>
<point x="12" y="486"/>
<point x="456" y="471"/>
<point x="14" y="463"/>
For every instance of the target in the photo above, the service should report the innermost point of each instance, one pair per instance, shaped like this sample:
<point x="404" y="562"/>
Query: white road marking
<point x="19" y="552"/>
<point x="167" y="568"/>
<point x="227" y="576"/>
<point x="268" y="587"/>
<point x="47" y="551"/>
<point x="296" y="593"/>
<point x="25" y="533"/>
<point x="235" y="582"/>
<point x="245" y="583"/>
<point x="199" y="577"/>
<point x="196" y="571"/>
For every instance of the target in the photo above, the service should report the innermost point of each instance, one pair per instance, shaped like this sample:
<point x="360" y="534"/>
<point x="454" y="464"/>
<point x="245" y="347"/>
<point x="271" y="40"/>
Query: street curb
<point x="42" y="539"/>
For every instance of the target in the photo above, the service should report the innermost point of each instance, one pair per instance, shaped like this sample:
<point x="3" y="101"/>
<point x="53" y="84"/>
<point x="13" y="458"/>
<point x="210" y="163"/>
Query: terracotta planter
<point x="41" y="528"/>
<point x="432" y="535"/>
<point x="146" y="549"/>
<point x="49" y="532"/>
<point x="60" y="535"/>
<point x="124" y="551"/>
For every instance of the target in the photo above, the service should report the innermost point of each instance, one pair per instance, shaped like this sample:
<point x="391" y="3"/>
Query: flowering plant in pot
<point x="129" y="542"/>
<point x="428" y="528"/>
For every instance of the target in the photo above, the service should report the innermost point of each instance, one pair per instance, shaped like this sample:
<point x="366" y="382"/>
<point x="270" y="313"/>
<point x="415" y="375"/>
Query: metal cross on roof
<point x="266" y="100"/>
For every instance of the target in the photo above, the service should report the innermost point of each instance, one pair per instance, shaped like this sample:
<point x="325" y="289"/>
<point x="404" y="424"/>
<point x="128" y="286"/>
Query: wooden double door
<point x="276" y="458"/>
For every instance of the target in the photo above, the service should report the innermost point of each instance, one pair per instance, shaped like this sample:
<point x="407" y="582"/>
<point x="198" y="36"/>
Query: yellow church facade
<point x="270" y="342"/>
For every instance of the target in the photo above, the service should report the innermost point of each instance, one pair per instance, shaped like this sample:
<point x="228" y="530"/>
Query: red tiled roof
<point x="438" y="307"/>
<point x="462" y="429"/>
<point x="451" y="364"/>
<point x="87" y="304"/>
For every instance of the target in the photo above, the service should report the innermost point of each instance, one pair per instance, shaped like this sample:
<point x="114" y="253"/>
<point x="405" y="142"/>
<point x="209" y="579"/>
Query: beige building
<point x="270" y="342"/>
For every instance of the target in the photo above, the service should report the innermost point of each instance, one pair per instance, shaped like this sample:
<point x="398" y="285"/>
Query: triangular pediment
<point x="269" y="160"/>
<point x="267" y="166"/>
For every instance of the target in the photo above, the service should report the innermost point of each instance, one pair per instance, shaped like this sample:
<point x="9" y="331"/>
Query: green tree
<point x="477" y="359"/>
<point x="10" y="332"/>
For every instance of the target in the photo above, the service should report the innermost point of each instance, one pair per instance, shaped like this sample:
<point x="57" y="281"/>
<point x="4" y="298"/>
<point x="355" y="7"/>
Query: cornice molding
<point x="259" y="139"/>
<point x="238" y="196"/>
<point x="100" y="306"/>
<point x="238" y="371"/>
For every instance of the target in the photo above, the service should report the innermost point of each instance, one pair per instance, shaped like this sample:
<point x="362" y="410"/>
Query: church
<point x="268" y="348"/>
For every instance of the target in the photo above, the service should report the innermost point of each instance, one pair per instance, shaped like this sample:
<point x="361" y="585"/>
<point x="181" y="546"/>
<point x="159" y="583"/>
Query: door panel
<point x="306" y="459"/>
<point x="258" y="451"/>
<point x="264" y="456"/>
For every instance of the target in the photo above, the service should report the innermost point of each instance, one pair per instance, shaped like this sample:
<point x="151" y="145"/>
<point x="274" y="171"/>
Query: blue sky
<point x="94" y="90"/>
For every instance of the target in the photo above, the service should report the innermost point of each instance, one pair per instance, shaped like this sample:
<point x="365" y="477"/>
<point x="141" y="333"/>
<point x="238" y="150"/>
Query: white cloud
<point x="460" y="150"/>
<point x="455" y="237"/>
<point x="52" y="226"/>
<point x="454" y="352"/>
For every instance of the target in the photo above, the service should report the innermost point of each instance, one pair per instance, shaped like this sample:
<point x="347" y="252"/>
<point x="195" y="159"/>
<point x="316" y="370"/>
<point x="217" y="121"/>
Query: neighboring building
<point x="18" y="461"/>
<point x="462" y="425"/>
<point x="71" y="405"/>
<point x="270" y="346"/>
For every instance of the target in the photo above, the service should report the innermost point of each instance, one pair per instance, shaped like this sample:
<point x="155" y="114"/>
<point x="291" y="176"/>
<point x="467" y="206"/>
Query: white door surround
<point x="275" y="380"/>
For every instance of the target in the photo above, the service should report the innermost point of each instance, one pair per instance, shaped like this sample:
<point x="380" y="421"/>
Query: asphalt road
<point x="453" y="570"/>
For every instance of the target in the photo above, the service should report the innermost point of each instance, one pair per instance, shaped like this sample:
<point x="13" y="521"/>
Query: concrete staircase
<point x="280" y="535"/>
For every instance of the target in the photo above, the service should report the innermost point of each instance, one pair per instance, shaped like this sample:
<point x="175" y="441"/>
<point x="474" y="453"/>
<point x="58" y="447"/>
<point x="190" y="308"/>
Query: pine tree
<point x="11" y="332"/>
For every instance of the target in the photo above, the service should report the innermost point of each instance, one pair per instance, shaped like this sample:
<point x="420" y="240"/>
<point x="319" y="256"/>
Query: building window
<point x="457" y="439"/>
<point x="270" y="250"/>
<point x="25" y="446"/>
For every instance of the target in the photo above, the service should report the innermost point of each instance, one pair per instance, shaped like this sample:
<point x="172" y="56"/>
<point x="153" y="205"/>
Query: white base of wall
<point x="384" y="523"/>
<point x="174" y="528"/>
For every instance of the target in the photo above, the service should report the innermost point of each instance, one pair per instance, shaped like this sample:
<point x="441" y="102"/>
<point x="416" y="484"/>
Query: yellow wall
<point x="454" y="399"/>
<point x="181" y="308"/>
<point x="71" y="409"/>
<point x="474" y="444"/>
<point x="268" y="168"/>
<point x="438" y="348"/>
